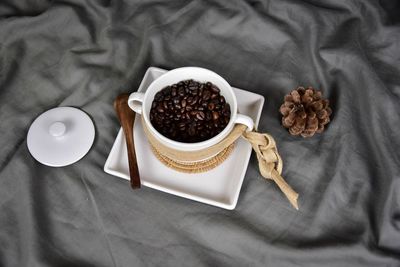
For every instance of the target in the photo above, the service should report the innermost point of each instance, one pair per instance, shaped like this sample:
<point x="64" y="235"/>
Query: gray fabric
<point x="84" y="53"/>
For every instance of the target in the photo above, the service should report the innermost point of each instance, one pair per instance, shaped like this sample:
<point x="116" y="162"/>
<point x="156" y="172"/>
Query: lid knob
<point x="57" y="129"/>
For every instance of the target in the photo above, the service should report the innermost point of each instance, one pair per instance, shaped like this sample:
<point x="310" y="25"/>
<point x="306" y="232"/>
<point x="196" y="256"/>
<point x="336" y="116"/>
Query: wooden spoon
<point x="126" y="118"/>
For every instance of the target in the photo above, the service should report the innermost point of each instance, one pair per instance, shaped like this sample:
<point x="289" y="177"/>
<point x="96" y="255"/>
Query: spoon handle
<point x="126" y="118"/>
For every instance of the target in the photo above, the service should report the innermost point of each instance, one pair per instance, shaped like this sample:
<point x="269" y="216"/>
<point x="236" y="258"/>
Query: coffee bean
<point x="214" y="96"/>
<point x="215" y="115"/>
<point x="194" y="101"/>
<point x="176" y="100"/>
<point x="160" y="109"/>
<point x="206" y="95"/>
<point x="181" y="91"/>
<point x="189" y="111"/>
<point x="182" y="126"/>
<point x="208" y="116"/>
<point x="215" y="89"/>
<point x="226" y="110"/>
<point x="200" y="115"/>
<point x="158" y="96"/>
<point x="192" y="129"/>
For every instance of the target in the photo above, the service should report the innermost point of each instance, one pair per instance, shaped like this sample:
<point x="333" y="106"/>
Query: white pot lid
<point x="60" y="136"/>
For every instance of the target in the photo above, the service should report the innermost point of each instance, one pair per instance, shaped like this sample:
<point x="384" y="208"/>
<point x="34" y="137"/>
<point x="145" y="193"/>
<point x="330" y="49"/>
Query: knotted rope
<point x="269" y="161"/>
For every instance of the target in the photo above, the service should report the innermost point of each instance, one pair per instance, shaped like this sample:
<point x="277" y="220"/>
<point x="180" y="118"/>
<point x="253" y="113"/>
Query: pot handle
<point x="135" y="102"/>
<point x="246" y="120"/>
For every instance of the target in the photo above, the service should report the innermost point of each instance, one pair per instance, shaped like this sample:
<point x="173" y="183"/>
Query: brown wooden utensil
<point x="126" y="117"/>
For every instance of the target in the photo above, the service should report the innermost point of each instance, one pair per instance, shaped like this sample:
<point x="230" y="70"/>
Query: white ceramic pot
<point x="141" y="104"/>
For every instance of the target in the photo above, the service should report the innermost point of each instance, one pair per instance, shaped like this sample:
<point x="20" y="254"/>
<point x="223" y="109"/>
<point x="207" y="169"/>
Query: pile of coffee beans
<point x="190" y="111"/>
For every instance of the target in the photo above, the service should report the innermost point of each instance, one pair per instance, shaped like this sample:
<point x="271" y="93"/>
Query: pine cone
<point x="305" y="112"/>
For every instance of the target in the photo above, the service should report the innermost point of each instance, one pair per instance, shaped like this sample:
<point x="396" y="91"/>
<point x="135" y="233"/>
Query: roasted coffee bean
<point x="181" y="91"/>
<point x="208" y="116"/>
<point x="215" y="115"/>
<point x="215" y="89"/>
<point x="192" y="129"/>
<point x="173" y="91"/>
<point x="182" y="126"/>
<point x="160" y="109"/>
<point x="176" y="100"/>
<point x="206" y="95"/>
<point x="158" y="96"/>
<point x="200" y="115"/>
<point x="190" y="111"/>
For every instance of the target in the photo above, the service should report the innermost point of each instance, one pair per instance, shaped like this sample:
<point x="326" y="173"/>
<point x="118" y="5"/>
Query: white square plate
<point x="219" y="186"/>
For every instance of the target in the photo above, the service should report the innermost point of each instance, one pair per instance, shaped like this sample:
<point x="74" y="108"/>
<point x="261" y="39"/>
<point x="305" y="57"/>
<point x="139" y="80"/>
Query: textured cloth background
<point x="84" y="53"/>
